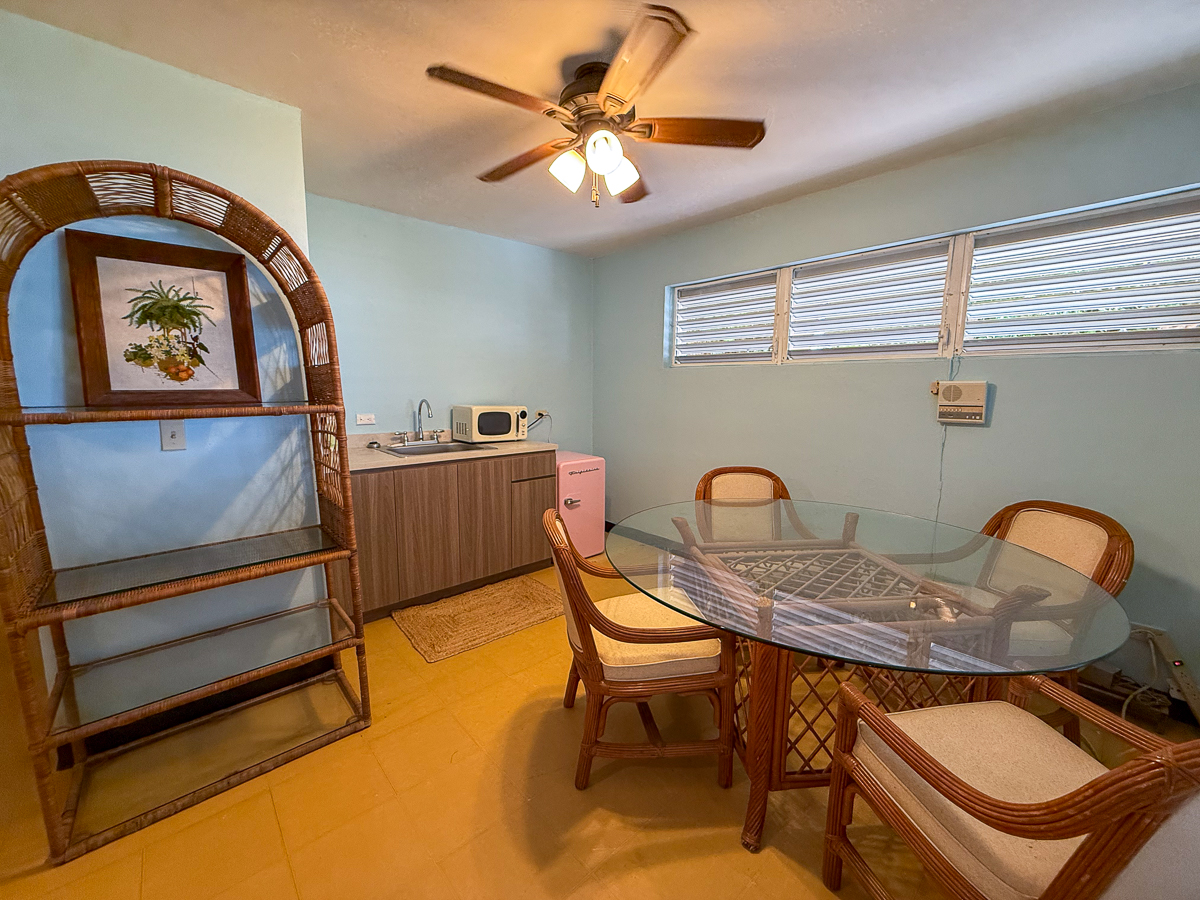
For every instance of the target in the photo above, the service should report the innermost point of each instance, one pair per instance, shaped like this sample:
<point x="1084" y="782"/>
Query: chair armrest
<point x="629" y="634"/>
<point x="606" y="570"/>
<point x="1020" y="688"/>
<point x="943" y="556"/>
<point x="1139" y="783"/>
<point x="798" y="526"/>
<point x="600" y="570"/>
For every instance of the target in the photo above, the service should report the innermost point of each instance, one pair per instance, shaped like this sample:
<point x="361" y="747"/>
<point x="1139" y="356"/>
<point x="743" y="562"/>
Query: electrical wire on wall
<point x="955" y="360"/>
<point x="538" y="421"/>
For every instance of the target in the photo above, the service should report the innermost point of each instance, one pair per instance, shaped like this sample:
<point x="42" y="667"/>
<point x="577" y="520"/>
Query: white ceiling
<point x="847" y="88"/>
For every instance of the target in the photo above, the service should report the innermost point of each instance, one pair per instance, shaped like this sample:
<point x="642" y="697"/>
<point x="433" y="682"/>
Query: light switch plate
<point x="172" y="434"/>
<point x="364" y="419"/>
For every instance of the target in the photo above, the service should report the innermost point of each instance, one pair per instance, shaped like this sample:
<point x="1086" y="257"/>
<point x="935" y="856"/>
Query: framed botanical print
<point x="161" y="324"/>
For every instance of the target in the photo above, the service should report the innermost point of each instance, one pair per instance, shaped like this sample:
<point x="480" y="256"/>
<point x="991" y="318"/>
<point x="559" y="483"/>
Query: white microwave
<point x="477" y="424"/>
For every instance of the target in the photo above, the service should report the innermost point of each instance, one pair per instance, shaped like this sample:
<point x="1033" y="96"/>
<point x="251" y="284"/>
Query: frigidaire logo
<point x="584" y="471"/>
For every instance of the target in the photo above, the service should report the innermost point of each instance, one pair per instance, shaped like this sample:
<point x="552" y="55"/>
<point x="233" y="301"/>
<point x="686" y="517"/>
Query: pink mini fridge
<point x="581" y="499"/>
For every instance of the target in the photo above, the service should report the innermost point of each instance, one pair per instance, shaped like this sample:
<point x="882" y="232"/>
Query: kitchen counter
<point x="365" y="459"/>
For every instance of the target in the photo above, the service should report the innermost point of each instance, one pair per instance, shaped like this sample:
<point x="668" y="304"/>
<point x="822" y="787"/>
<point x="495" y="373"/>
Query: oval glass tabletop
<point x="867" y="587"/>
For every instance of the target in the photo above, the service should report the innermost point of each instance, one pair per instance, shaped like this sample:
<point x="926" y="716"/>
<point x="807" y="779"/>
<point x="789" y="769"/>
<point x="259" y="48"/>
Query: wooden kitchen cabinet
<point x="530" y="499"/>
<point x="532" y="465"/>
<point x="428" y="529"/>
<point x="375" y="527"/>
<point x="484" y="517"/>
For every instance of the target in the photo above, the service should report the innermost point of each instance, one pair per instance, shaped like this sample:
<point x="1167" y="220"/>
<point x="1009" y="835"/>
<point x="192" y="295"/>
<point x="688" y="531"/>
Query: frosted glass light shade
<point x="569" y="169"/>
<point x="624" y="175"/>
<point x="604" y="152"/>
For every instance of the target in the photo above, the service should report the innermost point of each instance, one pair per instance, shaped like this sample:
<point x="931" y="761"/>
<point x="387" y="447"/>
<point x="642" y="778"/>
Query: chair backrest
<point x="739" y="521"/>
<point x="577" y="603"/>
<point x="741" y="483"/>
<point x="1090" y="542"/>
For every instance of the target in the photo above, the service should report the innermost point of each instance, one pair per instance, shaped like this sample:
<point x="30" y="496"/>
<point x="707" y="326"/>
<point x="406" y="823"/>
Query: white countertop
<point x="363" y="458"/>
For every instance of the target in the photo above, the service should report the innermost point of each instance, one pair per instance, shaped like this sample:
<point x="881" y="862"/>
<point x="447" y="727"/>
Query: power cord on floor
<point x="1153" y="668"/>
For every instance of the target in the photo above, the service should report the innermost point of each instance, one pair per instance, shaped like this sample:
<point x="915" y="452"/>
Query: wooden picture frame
<point x="148" y="363"/>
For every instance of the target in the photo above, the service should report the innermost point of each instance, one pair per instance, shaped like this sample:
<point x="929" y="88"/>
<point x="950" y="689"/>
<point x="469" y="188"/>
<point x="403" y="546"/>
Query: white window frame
<point x="955" y="299"/>
<point x="1123" y="213"/>
<point x="672" y="312"/>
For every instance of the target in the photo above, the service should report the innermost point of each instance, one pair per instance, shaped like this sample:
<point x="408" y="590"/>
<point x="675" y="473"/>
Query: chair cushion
<point x="646" y="662"/>
<point x="1039" y="637"/>
<point x="1006" y="753"/>
<point x="1034" y="637"/>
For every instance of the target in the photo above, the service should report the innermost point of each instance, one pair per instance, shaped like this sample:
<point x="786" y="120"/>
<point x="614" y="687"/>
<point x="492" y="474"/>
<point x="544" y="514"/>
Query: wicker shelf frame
<point x="70" y="415"/>
<point x="34" y="204"/>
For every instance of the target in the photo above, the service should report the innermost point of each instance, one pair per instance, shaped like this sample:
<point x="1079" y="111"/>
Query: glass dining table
<point x="914" y="612"/>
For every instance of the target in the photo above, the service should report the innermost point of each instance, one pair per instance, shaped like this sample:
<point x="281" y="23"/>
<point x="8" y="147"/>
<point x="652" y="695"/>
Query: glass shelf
<point x="298" y="547"/>
<point x="167" y="672"/>
<point x="72" y="415"/>
<point x="207" y="754"/>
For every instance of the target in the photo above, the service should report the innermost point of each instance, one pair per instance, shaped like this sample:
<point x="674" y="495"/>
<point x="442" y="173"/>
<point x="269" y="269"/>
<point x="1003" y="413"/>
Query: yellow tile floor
<point x="463" y="788"/>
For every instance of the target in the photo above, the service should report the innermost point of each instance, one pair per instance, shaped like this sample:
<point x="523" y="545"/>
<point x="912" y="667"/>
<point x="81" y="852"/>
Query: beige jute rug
<point x="463" y="622"/>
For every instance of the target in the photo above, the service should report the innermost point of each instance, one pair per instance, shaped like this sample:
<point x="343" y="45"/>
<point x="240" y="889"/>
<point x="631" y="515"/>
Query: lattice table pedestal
<point x="786" y="703"/>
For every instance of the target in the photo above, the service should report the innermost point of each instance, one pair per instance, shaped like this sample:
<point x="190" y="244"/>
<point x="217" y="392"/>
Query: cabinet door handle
<point x="570" y="502"/>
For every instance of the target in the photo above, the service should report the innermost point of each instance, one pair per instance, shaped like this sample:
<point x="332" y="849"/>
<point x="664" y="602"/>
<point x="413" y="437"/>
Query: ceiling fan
<point x="597" y="109"/>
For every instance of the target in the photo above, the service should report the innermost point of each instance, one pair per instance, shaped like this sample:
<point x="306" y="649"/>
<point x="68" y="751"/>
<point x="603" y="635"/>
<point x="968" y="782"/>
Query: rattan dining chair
<point x="631" y="648"/>
<point x="1085" y="540"/>
<point x="738" y="505"/>
<point x="1088" y="541"/>
<point x="998" y="805"/>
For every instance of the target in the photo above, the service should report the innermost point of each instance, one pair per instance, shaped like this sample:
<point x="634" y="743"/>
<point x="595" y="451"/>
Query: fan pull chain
<point x="595" y="190"/>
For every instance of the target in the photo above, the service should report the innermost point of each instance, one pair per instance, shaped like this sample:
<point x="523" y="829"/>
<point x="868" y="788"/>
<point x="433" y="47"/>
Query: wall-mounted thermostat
<point x="961" y="402"/>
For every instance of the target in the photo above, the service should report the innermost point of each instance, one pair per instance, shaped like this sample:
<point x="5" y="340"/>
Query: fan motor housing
<point x="587" y="81"/>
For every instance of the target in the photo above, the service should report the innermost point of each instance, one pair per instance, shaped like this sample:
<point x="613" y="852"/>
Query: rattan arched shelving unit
<point x="308" y="684"/>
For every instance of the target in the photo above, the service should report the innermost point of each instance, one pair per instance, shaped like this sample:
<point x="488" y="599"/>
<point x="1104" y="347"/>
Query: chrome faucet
<point x="421" y="431"/>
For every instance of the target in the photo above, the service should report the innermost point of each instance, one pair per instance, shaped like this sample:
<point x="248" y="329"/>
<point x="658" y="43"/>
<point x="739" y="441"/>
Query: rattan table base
<point x="785" y="715"/>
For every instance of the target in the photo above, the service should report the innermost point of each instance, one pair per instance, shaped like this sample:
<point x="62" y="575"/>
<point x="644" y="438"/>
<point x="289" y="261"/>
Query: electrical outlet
<point x="364" y="419"/>
<point x="172" y="435"/>
<point x="540" y="413"/>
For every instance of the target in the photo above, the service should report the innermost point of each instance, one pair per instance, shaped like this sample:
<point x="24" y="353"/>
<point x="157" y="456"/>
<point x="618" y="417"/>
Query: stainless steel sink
<point x="430" y="449"/>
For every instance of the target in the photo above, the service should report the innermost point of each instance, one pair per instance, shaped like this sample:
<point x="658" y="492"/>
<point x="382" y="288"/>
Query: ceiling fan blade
<point x="707" y="132"/>
<point x="525" y="160"/>
<point x="634" y="192"/>
<point x="498" y="91"/>
<point x="652" y="41"/>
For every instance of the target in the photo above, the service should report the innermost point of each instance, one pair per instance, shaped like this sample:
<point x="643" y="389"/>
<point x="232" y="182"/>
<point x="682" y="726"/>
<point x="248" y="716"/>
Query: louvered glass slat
<point x="1138" y="282"/>
<point x="881" y="306"/>
<point x="732" y="320"/>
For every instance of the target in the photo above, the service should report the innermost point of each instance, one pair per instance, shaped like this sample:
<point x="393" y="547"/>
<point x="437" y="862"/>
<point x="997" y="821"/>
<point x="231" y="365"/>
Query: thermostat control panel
<point x="961" y="402"/>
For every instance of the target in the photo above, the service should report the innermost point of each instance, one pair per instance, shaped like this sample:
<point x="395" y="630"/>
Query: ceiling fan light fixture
<point x="569" y="168"/>
<point x="622" y="177"/>
<point x="604" y="153"/>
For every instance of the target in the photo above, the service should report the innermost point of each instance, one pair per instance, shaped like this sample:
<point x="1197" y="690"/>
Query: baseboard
<point x="383" y="612"/>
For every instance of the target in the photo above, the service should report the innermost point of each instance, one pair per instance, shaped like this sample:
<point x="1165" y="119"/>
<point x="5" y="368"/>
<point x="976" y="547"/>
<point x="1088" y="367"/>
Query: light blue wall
<point x="65" y="97"/>
<point x="425" y="310"/>
<point x="107" y="490"/>
<point x="1117" y="432"/>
